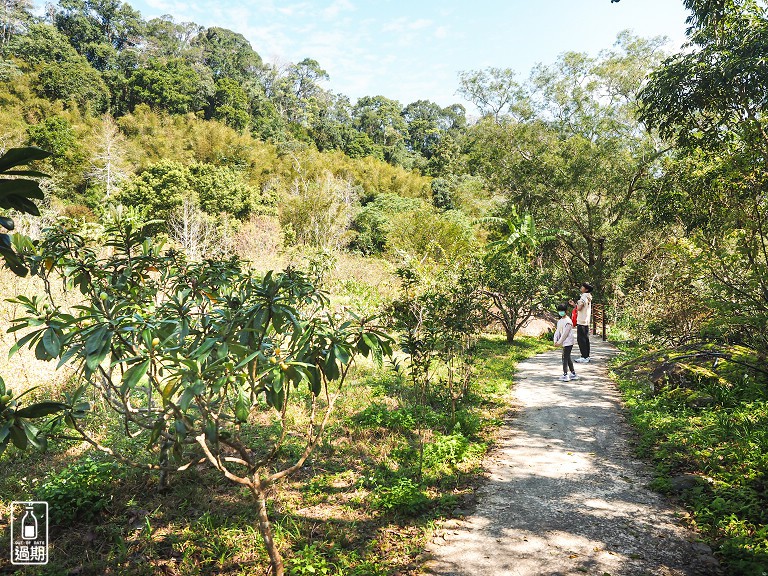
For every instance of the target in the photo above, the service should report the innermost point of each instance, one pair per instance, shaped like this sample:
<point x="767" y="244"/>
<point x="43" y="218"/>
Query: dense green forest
<point x="183" y="166"/>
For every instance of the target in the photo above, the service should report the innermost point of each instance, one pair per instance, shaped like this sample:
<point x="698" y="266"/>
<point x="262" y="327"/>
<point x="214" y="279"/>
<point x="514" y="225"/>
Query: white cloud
<point x="337" y="7"/>
<point x="272" y="39"/>
<point x="294" y="10"/>
<point x="420" y="24"/>
<point x="181" y="11"/>
<point x="406" y="24"/>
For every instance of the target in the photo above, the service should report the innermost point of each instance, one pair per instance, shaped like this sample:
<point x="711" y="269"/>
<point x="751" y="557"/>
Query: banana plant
<point x="521" y="235"/>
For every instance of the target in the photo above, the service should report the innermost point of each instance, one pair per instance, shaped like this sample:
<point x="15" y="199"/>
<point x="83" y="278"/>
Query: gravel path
<point x="565" y="495"/>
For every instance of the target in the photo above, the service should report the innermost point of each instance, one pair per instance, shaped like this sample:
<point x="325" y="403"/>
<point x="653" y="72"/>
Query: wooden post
<point x="598" y="317"/>
<point x="605" y="335"/>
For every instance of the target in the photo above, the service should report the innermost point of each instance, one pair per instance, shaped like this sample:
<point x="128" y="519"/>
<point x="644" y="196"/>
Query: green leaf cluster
<point x="17" y="192"/>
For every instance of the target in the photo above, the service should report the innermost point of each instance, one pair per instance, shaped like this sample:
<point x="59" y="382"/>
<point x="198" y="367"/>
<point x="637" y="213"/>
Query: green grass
<point x="715" y="427"/>
<point x="357" y="508"/>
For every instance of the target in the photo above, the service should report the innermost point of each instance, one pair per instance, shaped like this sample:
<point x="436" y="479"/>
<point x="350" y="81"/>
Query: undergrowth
<point x="707" y="422"/>
<point x="358" y="508"/>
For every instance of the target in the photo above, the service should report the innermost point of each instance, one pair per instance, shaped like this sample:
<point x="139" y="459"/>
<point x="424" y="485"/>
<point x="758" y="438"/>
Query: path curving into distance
<point x="565" y="494"/>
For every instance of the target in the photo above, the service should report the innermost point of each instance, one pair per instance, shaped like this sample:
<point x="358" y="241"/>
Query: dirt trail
<point x="565" y="495"/>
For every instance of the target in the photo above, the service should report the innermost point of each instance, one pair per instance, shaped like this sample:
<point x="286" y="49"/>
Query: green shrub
<point x="361" y="296"/>
<point x="713" y="425"/>
<point x="442" y="195"/>
<point x="162" y="187"/>
<point x="379" y="415"/>
<point x="404" y="497"/>
<point x="371" y="223"/>
<point x="405" y="418"/>
<point x="426" y="234"/>
<point x="470" y="423"/>
<point x="79" y="491"/>
<point x="57" y="135"/>
<point x="445" y="451"/>
<point x="308" y="560"/>
<point x="320" y="211"/>
<point x="74" y="80"/>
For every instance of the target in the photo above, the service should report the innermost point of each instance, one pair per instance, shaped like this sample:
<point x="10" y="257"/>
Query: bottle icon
<point x="29" y="524"/>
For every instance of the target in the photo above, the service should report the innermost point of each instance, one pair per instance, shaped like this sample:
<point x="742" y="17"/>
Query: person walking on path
<point x="564" y="337"/>
<point x="583" y="318"/>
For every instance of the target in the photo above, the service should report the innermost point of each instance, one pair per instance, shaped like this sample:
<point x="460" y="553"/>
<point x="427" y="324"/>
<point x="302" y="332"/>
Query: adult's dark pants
<point x="567" y="362"/>
<point x="582" y="337"/>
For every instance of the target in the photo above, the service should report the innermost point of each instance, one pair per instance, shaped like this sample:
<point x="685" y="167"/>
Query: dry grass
<point x="23" y="370"/>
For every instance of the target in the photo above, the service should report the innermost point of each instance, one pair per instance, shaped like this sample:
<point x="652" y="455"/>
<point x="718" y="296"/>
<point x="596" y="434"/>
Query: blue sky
<point x="414" y="49"/>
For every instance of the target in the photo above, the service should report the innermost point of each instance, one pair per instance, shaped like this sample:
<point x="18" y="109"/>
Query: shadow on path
<point x="565" y="495"/>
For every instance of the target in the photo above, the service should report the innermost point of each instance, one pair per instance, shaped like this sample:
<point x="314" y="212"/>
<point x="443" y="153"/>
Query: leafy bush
<point x="715" y="427"/>
<point x="172" y="85"/>
<point x="361" y="295"/>
<point x="445" y="451"/>
<point x="57" y="135"/>
<point x="78" y="491"/>
<point x="74" y="81"/>
<point x="372" y="221"/>
<point x="162" y="187"/>
<point x="250" y="342"/>
<point x="405" y="418"/>
<point x="379" y="415"/>
<point x="404" y="497"/>
<point x="308" y="561"/>
<point x="320" y="211"/>
<point x="425" y="234"/>
<point x="442" y="195"/>
<point x="469" y="422"/>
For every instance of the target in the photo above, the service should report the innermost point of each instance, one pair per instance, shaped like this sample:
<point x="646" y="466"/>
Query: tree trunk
<point x="265" y="529"/>
<point x="510" y="335"/>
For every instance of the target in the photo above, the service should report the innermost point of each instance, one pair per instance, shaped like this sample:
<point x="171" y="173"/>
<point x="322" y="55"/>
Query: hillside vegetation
<point x="251" y="305"/>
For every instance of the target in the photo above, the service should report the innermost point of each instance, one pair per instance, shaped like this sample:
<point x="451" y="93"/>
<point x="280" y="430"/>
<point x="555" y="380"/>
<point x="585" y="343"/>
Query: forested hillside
<point x="142" y="112"/>
<point x="183" y="167"/>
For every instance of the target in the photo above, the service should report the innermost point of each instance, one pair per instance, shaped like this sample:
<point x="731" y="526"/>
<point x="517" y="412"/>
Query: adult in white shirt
<point x="584" y="317"/>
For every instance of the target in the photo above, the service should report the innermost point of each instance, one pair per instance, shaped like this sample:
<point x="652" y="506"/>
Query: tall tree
<point x="428" y="124"/>
<point x="42" y="43"/>
<point x="74" y="81"/>
<point x="423" y="120"/>
<point x="296" y="92"/>
<point x="98" y="29"/>
<point x="108" y="164"/>
<point x="230" y="104"/>
<point x="381" y="119"/>
<point x="227" y="54"/>
<point x="15" y="15"/>
<point x="172" y="85"/>
<point x="168" y="39"/>
<point x="580" y="159"/>
<point x="494" y="91"/>
<point x="710" y="101"/>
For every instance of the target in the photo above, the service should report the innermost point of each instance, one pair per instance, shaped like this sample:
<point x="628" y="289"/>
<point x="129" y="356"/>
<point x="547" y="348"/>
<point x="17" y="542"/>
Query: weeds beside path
<point x="356" y="509"/>
<point x="565" y="494"/>
<point x="705" y="428"/>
